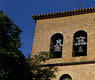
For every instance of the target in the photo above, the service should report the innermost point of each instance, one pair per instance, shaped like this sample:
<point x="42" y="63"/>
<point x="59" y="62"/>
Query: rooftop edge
<point x="64" y="13"/>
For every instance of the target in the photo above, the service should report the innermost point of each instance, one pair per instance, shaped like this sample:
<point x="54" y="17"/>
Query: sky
<point x="21" y="12"/>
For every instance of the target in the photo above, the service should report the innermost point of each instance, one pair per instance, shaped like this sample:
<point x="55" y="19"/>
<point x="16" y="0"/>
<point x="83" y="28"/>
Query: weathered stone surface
<point x="67" y="26"/>
<point x="77" y="72"/>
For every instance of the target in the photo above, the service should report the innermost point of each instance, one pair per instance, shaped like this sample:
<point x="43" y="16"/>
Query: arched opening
<point x="65" y="77"/>
<point x="80" y="43"/>
<point x="56" y="45"/>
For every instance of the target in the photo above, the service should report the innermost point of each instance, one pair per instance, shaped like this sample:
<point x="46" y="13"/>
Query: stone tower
<point x="70" y="36"/>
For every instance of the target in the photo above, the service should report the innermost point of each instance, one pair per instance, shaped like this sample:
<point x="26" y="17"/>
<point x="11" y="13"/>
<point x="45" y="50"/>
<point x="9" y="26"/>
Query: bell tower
<point x="70" y="37"/>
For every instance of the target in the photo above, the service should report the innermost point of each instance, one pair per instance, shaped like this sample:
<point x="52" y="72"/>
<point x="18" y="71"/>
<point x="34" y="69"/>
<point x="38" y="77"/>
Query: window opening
<point x="65" y="77"/>
<point x="80" y="43"/>
<point x="56" y="45"/>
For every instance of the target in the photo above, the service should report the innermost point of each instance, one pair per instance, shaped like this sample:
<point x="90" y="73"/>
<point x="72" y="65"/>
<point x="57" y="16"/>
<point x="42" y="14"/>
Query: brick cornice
<point x="64" y="14"/>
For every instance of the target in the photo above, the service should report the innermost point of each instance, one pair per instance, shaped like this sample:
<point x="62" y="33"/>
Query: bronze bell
<point x="58" y="49"/>
<point x="80" y="50"/>
<point x="66" y="79"/>
<point x="58" y="46"/>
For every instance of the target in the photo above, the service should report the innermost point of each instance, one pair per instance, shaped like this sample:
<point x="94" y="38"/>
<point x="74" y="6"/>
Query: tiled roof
<point x="64" y="14"/>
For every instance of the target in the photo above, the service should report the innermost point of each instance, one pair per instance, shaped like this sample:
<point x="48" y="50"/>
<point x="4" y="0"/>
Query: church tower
<point x="70" y="36"/>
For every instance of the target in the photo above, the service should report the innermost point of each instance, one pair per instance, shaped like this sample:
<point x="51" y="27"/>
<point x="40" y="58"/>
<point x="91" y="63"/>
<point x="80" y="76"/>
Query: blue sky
<point x="21" y="12"/>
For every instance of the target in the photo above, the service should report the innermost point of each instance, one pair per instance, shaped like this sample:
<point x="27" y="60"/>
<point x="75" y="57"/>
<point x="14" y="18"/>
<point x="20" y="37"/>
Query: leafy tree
<point x="13" y="65"/>
<point x="11" y="58"/>
<point x="37" y="71"/>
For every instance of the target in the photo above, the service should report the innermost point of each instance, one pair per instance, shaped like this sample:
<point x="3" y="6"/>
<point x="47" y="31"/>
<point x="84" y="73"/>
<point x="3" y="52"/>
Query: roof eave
<point x="64" y="14"/>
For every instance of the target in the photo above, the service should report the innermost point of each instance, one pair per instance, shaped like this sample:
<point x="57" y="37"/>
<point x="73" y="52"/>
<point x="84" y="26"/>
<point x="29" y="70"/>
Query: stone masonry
<point x="67" y="26"/>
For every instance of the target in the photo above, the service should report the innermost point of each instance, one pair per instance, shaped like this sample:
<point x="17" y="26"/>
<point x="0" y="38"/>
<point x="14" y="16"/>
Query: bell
<point x="80" y="49"/>
<point x="66" y="79"/>
<point x="57" y="49"/>
<point x="58" y="46"/>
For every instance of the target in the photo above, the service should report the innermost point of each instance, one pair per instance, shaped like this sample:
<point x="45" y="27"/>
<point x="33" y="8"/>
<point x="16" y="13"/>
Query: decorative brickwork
<point x="64" y="14"/>
<point x="47" y="26"/>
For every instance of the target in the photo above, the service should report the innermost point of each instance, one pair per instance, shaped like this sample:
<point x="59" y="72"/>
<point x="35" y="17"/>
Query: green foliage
<point x="11" y="58"/>
<point x="13" y="65"/>
<point x="3" y="75"/>
<point x="39" y="72"/>
<point x="9" y="34"/>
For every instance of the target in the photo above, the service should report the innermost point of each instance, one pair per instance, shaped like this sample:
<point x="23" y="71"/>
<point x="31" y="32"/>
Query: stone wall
<point x="67" y="26"/>
<point x="77" y="72"/>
